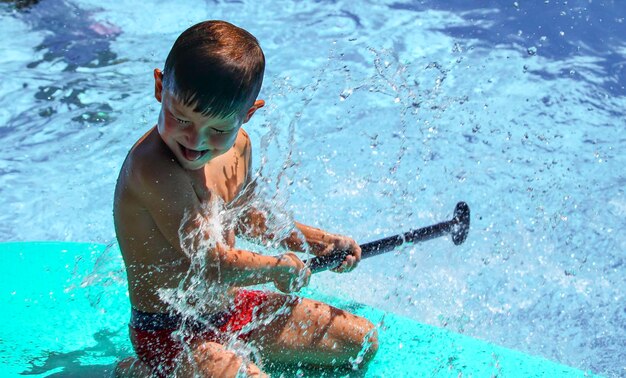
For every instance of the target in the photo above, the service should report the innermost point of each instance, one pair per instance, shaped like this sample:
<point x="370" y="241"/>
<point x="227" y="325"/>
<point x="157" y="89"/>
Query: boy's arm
<point x="169" y="196"/>
<point x="319" y="242"/>
<point x="253" y="223"/>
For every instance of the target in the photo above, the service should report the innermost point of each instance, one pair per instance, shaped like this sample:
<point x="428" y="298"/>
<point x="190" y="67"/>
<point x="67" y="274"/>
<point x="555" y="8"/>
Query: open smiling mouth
<point x="192" y="155"/>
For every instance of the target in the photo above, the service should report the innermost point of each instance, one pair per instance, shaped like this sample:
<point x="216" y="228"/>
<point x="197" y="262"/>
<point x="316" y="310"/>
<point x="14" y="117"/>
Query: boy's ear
<point x="158" y="84"/>
<point x="258" y="104"/>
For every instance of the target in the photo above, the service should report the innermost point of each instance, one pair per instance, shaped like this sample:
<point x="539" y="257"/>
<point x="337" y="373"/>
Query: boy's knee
<point x="369" y="343"/>
<point x="363" y="344"/>
<point x="254" y="371"/>
<point x="216" y="361"/>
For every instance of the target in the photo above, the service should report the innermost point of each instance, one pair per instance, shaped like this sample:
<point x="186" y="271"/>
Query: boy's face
<point x="194" y="138"/>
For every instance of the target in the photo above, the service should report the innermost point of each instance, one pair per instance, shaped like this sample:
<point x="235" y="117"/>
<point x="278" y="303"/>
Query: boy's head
<point x="212" y="77"/>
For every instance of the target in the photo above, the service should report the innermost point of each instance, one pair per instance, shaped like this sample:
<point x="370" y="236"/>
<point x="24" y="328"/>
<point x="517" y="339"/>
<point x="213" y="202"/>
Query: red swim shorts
<point x="159" y="348"/>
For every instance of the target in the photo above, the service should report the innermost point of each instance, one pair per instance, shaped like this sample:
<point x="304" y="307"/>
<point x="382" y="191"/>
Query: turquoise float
<point x="65" y="314"/>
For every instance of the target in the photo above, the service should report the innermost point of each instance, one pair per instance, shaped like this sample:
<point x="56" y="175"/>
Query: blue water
<point x="381" y="116"/>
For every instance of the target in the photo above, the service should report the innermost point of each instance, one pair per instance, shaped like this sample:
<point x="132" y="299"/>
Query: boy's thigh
<point x="293" y="329"/>
<point x="206" y="359"/>
<point x="210" y="359"/>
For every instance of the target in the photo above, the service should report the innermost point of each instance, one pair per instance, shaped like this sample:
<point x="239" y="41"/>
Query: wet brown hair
<point x="216" y="67"/>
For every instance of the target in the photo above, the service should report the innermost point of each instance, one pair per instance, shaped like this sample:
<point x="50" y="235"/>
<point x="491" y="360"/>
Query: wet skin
<point x="183" y="162"/>
<point x="174" y="168"/>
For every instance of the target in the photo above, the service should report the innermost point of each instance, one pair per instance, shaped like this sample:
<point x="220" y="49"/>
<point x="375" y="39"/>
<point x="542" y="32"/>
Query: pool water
<point x="381" y="116"/>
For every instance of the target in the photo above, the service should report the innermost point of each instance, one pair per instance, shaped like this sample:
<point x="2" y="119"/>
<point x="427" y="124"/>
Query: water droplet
<point x="345" y="94"/>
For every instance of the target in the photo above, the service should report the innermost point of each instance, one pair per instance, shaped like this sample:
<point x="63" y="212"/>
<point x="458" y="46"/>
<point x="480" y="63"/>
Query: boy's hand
<point x="291" y="274"/>
<point x="339" y="243"/>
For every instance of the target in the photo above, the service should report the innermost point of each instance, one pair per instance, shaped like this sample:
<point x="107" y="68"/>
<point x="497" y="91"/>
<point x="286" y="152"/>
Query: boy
<point x="198" y="154"/>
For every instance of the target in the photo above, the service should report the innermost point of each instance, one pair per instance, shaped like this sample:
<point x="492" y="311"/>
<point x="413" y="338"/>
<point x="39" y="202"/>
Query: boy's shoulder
<point x="148" y="160"/>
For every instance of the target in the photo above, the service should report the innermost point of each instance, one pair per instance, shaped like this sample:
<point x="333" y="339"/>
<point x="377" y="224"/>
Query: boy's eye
<point x="182" y="121"/>
<point x="219" y="131"/>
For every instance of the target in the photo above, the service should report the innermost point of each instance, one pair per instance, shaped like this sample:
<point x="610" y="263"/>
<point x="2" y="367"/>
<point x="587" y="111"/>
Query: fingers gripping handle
<point x="458" y="227"/>
<point x="322" y="263"/>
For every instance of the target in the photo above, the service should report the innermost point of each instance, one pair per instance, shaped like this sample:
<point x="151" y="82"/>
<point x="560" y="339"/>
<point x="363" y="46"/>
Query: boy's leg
<point x="211" y="359"/>
<point x="300" y="330"/>
<point x="208" y="359"/>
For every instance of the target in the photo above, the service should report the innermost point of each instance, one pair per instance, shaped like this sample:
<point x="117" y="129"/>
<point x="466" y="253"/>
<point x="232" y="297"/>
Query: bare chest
<point x="225" y="176"/>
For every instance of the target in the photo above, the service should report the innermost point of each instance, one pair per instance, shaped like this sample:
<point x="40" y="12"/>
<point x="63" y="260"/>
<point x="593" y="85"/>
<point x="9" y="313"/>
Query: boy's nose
<point x="196" y="141"/>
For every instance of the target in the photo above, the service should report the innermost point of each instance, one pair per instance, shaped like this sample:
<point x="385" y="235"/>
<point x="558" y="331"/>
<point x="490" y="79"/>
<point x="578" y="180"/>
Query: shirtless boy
<point x="197" y="151"/>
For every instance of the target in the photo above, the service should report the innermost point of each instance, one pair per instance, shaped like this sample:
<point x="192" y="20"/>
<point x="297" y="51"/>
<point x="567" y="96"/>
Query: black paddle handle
<point x="458" y="227"/>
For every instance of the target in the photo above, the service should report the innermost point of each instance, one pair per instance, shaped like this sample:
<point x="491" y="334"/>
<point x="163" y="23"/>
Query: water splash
<point x="200" y="236"/>
<point x="202" y="289"/>
<point x="102" y="282"/>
